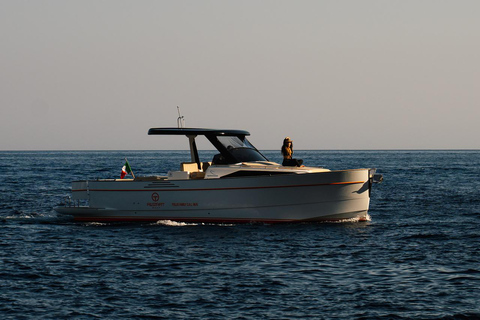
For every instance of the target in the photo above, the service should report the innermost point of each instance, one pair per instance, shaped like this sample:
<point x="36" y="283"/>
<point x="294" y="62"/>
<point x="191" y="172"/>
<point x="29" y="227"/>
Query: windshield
<point x="241" y="149"/>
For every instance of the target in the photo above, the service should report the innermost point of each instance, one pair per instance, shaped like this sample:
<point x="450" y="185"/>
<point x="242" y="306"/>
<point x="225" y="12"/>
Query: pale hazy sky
<point x="382" y="74"/>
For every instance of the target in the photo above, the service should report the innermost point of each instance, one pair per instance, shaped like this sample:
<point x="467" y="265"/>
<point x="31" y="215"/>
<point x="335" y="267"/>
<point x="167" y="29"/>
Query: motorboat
<point x="239" y="185"/>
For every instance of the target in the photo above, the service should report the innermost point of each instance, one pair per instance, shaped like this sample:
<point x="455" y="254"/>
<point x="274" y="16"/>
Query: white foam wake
<point x="171" y="223"/>
<point x="356" y="219"/>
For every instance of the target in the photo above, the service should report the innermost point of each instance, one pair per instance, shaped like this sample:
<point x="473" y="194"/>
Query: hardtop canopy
<point x="232" y="150"/>
<point x="197" y="131"/>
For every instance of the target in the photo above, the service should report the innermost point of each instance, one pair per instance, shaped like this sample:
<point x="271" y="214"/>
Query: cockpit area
<point x="232" y="145"/>
<point x="236" y="149"/>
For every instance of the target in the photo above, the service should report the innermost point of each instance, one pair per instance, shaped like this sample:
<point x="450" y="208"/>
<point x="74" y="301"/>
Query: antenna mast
<point x="180" y="119"/>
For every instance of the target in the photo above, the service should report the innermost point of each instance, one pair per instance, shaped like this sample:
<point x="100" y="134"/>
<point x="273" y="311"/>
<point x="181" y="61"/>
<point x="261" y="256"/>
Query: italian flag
<point x="126" y="169"/>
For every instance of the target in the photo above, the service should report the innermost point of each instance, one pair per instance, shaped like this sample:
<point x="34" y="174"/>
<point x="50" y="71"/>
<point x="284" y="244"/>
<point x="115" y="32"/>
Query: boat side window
<point x="240" y="149"/>
<point x="247" y="155"/>
<point x="232" y="142"/>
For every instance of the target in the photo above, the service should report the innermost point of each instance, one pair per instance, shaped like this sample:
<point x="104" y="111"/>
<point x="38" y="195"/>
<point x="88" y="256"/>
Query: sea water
<point x="418" y="256"/>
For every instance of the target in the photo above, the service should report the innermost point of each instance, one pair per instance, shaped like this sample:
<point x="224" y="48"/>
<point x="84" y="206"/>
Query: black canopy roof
<point x="197" y="131"/>
<point x="234" y="155"/>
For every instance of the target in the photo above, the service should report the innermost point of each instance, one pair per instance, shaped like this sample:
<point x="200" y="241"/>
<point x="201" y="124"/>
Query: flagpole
<point x="133" y="175"/>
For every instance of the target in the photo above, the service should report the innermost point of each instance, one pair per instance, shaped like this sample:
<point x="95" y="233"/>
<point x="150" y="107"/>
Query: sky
<point x="339" y="74"/>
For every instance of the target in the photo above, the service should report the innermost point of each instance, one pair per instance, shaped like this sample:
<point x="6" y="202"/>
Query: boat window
<point x="241" y="149"/>
<point x="247" y="155"/>
<point x="230" y="142"/>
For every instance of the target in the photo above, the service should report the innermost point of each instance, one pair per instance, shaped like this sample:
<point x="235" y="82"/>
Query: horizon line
<point x="186" y="150"/>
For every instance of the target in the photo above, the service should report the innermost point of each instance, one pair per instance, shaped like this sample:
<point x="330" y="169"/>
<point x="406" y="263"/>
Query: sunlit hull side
<point x="323" y="196"/>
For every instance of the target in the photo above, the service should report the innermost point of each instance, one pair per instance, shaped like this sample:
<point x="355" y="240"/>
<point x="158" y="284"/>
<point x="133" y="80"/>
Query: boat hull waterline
<point x="323" y="196"/>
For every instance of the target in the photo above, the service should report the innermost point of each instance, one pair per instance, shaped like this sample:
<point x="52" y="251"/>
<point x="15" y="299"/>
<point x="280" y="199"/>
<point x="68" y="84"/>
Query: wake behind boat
<point x="239" y="185"/>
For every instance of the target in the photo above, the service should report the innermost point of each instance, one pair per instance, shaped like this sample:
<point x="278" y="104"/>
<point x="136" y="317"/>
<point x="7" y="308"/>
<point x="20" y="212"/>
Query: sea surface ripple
<point x="418" y="257"/>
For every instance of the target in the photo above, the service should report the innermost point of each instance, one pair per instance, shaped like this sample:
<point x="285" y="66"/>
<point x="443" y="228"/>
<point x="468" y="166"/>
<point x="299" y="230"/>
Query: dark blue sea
<point x="417" y="258"/>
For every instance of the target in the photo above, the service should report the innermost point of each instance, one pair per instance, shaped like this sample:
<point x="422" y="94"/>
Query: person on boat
<point x="287" y="152"/>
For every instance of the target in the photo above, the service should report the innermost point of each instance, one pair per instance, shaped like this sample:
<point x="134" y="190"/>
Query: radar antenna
<point x="180" y="119"/>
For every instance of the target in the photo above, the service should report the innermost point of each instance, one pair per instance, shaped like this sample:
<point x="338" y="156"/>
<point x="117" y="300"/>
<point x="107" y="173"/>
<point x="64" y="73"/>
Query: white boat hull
<point x="323" y="196"/>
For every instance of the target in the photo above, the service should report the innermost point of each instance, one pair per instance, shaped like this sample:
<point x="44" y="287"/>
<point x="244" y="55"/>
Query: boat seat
<point x="189" y="166"/>
<point x="197" y="175"/>
<point x="193" y="167"/>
